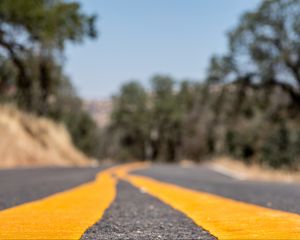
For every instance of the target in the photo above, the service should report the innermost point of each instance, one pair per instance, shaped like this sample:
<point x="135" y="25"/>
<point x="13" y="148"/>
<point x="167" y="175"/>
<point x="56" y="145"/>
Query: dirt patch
<point x="30" y="141"/>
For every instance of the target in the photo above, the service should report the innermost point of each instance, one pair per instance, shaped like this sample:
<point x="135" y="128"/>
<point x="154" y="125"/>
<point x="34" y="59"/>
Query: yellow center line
<point x="69" y="214"/>
<point x="224" y="218"/>
<point x="63" y="215"/>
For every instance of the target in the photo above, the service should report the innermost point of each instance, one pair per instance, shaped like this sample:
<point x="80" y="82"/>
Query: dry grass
<point x="253" y="172"/>
<point x="27" y="141"/>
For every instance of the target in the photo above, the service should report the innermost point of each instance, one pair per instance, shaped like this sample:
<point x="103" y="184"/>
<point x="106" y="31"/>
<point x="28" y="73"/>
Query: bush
<point x="278" y="150"/>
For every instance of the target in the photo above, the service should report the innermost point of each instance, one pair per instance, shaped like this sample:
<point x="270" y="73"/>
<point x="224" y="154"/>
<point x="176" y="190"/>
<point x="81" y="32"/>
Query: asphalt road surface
<point x="24" y="185"/>
<point x="281" y="196"/>
<point x="135" y="214"/>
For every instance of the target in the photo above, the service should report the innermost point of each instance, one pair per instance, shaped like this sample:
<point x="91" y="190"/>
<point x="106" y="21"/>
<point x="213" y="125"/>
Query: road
<point x="24" y="185"/>
<point x="153" y="202"/>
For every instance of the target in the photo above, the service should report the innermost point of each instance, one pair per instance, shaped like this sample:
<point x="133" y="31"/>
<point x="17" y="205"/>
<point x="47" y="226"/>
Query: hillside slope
<point x="100" y="110"/>
<point x="29" y="141"/>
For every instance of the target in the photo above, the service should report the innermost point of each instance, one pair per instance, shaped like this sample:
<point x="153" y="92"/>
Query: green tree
<point x="264" y="49"/>
<point x="261" y="73"/>
<point x="40" y="29"/>
<point x="130" y="120"/>
<point x="33" y="36"/>
<point x="277" y="150"/>
<point x="166" y="119"/>
<point x="7" y="78"/>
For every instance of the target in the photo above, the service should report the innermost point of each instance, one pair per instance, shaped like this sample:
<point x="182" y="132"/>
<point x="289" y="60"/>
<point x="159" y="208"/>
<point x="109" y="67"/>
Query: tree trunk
<point x="24" y="85"/>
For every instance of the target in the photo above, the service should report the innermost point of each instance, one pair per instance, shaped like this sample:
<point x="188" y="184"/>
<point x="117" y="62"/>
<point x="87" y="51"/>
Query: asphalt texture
<point x="137" y="215"/>
<point x="280" y="196"/>
<point x="18" y="186"/>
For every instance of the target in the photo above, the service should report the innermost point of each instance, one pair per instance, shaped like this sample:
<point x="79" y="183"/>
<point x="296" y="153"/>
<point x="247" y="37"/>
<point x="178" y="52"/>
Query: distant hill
<point x="30" y="141"/>
<point x="100" y="110"/>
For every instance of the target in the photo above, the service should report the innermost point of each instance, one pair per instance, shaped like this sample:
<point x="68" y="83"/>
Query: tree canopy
<point x="33" y="35"/>
<point x="247" y="107"/>
<point x="264" y="48"/>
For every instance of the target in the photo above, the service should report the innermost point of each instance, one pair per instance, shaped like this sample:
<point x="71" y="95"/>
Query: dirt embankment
<point x="29" y="141"/>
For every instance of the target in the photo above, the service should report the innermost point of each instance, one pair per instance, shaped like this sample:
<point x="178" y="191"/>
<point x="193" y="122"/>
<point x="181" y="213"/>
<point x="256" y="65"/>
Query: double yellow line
<point x="69" y="214"/>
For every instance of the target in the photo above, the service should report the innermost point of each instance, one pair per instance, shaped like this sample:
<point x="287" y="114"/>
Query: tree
<point x="149" y="125"/>
<point x="33" y="36"/>
<point x="270" y="37"/>
<point x="166" y="119"/>
<point x="40" y="29"/>
<point x="7" y="77"/>
<point x="130" y="120"/>
<point x="264" y="49"/>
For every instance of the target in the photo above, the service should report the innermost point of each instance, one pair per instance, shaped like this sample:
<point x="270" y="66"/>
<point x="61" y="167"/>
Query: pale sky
<point x="139" y="38"/>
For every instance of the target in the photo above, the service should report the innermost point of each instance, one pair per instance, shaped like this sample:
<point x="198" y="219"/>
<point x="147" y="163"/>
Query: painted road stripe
<point x="224" y="218"/>
<point x="65" y="215"/>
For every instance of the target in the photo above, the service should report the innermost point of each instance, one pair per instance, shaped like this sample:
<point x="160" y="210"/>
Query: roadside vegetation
<point x="247" y="107"/>
<point x="33" y="37"/>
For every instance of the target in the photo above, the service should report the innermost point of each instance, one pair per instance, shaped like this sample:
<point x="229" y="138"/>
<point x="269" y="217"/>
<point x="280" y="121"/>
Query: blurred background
<point x="85" y="82"/>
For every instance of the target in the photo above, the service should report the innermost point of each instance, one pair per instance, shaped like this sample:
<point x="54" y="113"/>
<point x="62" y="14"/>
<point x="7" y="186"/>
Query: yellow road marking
<point x="222" y="217"/>
<point x="67" y="215"/>
<point x="64" y="215"/>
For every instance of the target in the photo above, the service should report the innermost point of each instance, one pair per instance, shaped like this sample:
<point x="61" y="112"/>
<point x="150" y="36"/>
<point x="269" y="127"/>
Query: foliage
<point x="248" y="105"/>
<point x="264" y="49"/>
<point x="33" y="36"/>
<point x="196" y="121"/>
<point x="130" y="117"/>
